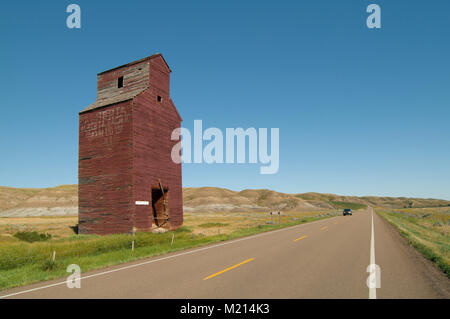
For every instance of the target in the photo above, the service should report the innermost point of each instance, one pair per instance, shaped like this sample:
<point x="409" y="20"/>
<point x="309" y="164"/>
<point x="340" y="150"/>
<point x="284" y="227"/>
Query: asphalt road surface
<point x="323" y="259"/>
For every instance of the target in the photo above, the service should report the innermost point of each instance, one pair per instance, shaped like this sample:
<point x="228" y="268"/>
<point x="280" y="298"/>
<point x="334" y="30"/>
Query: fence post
<point x="173" y="237"/>
<point x="54" y="256"/>
<point x="132" y="245"/>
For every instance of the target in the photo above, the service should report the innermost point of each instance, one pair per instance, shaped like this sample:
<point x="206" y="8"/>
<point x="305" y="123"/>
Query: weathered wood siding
<point x="105" y="169"/>
<point x="135" y="78"/>
<point x="125" y="149"/>
<point x="153" y="125"/>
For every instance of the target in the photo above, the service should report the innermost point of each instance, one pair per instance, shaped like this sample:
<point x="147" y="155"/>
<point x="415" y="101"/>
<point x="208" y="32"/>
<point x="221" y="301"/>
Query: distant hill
<point x="55" y="201"/>
<point x="63" y="200"/>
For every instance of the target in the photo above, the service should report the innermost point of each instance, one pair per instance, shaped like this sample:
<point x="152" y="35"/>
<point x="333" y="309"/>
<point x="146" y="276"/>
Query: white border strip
<point x="165" y="258"/>
<point x="142" y="202"/>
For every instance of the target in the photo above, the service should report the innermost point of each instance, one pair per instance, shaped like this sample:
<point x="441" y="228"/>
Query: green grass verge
<point x="432" y="243"/>
<point x="24" y="263"/>
<point x="343" y="205"/>
<point x="32" y="236"/>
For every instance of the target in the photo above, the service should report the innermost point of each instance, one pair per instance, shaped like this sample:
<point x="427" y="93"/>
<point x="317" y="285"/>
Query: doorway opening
<point x="160" y="205"/>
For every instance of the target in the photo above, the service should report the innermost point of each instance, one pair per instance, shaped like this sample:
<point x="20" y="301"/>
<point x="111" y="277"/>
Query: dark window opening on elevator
<point x="159" y="99"/>
<point x="120" y="82"/>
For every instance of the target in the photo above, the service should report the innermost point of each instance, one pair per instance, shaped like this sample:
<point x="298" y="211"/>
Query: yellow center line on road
<point x="324" y="227"/>
<point x="229" y="268"/>
<point x="300" y="238"/>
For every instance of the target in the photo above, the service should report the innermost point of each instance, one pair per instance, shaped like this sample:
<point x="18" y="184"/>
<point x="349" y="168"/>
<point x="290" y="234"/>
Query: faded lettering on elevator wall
<point x="106" y="123"/>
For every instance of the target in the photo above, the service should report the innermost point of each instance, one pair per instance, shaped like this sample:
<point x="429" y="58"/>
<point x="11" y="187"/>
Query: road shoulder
<point x="429" y="271"/>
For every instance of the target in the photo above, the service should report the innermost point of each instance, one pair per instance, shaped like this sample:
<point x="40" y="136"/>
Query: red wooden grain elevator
<point x="127" y="180"/>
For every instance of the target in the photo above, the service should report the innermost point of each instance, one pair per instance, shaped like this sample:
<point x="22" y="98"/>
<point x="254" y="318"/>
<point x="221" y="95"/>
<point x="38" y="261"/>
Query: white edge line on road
<point x="168" y="257"/>
<point x="372" y="290"/>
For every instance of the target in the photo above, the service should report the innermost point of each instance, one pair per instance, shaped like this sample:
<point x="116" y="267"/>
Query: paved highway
<point x="322" y="259"/>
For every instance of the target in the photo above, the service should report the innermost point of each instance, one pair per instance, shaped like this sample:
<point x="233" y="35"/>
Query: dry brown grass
<point x="61" y="227"/>
<point x="58" y="227"/>
<point x="235" y="221"/>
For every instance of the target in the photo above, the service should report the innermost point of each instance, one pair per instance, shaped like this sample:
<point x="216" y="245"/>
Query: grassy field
<point x="427" y="229"/>
<point x="23" y="263"/>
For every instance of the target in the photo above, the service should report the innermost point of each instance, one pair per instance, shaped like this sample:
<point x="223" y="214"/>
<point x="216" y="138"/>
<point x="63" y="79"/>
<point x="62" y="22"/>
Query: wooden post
<point x="132" y="245"/>
<point x="173" y="237"/>
<point x="54" y="256"/>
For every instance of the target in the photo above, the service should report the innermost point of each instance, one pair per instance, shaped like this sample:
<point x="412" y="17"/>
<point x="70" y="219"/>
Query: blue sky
<point x="360" y="112"/>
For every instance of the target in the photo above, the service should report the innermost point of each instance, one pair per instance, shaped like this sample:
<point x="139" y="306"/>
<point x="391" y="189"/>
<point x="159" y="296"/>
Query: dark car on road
<point x="348" y="211"/>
